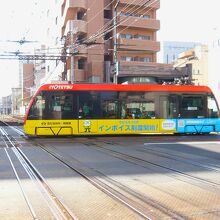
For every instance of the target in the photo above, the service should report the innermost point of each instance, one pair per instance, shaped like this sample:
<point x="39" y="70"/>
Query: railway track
<point x="139" y="195"/>
<point x="57" y="207"/>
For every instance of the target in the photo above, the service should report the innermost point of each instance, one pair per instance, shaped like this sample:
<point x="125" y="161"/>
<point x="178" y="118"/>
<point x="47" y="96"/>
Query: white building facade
<point x="214" y="68"/>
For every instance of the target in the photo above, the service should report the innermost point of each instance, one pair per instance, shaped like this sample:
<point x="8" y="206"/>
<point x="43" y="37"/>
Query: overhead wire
<point x="142" y="7"/>
<point x="110" y="21"/>
<point x="103" y="29"/>
<point x="155" y="1"/>
<point x="119" y="23"/>
<point x="101" y="11"/>
<point x="137" y="18"/>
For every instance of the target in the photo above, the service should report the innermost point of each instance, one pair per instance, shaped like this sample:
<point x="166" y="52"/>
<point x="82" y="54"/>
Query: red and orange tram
<point x="102" y="109"/>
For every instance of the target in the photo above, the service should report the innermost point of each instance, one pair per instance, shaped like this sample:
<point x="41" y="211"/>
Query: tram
<point x="115" y="109"/>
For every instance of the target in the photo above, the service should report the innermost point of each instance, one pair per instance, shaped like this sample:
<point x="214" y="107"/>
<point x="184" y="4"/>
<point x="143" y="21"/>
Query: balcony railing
<point x="133" y="44"/>
<point x="151" y="4"/>
<point x="131" y="21"/>
<point x="75" y="26"/>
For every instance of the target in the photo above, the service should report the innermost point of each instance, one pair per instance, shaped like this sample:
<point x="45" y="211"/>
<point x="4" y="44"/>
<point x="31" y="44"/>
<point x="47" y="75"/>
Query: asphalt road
<point x="123" y="177"/>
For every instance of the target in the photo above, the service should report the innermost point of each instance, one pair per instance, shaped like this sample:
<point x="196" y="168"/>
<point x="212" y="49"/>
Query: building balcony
<point x="73" y="4"/>
<point x="136" y="22"/>
<point x="80" y="75"/>
<point x="95" y="68"/>
<point x="145" y="69"/>
<point x="74" y="26"/>
<point x="70" y="8"/>
<point x="82" y="52"/>
<point x="138" y="45"/>
<point x="151" y="4"/>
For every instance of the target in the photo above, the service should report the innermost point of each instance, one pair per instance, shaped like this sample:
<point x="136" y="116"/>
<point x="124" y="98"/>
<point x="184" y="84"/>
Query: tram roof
<point x="123" y="87"/>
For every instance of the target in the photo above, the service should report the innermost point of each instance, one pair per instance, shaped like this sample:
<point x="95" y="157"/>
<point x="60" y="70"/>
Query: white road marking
<point x="185" y="142"/>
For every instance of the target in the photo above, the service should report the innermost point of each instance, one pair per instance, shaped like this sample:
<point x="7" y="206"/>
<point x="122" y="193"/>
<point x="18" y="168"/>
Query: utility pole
<point x="72" y="72"/>
<point x="64" y="58"/>
<point x="115" y="38"/>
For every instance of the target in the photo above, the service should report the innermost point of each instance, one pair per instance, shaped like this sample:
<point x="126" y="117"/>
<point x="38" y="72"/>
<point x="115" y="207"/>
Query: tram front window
<point x="193" y="107"/>
<point x="213" y="111"/>
<point x="37" y="110"/>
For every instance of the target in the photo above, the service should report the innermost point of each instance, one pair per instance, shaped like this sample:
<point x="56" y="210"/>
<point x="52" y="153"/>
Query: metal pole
<point x="115" y="79"/>
<point x="72" y="76"/>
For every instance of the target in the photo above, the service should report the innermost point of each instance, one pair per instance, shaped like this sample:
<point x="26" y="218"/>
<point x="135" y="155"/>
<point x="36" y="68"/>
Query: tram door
<point x="168" y="106"/>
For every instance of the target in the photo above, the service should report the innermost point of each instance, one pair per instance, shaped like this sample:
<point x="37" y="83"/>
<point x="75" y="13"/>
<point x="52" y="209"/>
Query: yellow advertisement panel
<point x="99" y="127"/>
<point x="127" y="126"/>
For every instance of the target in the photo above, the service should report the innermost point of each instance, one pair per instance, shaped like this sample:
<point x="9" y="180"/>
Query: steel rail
<point x="18" y="179"/>
<point x="58" y="209"/>
<point x="139" y="161"/>
<point x="94" y="181"/>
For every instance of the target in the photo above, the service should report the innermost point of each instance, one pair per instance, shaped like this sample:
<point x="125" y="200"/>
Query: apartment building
<point x="109" y="40"/>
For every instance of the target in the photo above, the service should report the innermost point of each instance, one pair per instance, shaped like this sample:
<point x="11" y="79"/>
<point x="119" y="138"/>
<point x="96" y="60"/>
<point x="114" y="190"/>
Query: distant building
<point x="171" y="49"/>
<point x="6" y="105"/>
<point x="27" y="69"/>
<point x="196" y="62"/>
<point x="214" y="67"/>
<point x="16" y="101"/>
<point x="39" y="69"/>
<point x="1" y="111"/>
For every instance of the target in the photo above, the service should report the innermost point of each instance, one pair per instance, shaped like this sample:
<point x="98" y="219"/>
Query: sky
<point x="16" y="21"/>
<point x="181" y="20"/>
<point x="188" y="20"/>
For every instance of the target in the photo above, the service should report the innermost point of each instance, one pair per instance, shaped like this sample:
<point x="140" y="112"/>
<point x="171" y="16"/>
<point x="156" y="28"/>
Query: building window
<point x="122" y="35"/>
<point x="127" y="59"/>
<point x="80" y="15"/>
<point x="145" y="59"/>
<point x="81" y="64"/>
<point x="108" y="14"/>
<point x="146" y="16"/>
<point x="142" y="37"/>
<point x="136" y="36"/>
<point x="128" y="36"/>
<point x="107" y="36"/>
<point x="135" y="15"/>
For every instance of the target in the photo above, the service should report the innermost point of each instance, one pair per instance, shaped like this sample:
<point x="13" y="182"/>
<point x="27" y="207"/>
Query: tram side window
<point x="109" y="104"/>
<point x="213" y="111"/>
<point x="89" y="105"/>
<point x="61" y="107"/>
<point x="37" y="110"/>
<point x="137" y="105"/>
<point x="110" y="109"/>
<point x="193" y="107"/>
<point x="142" y="109"/>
